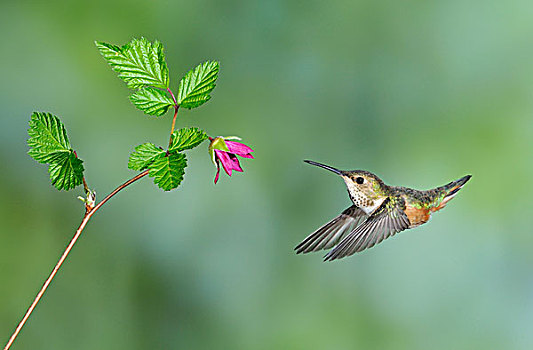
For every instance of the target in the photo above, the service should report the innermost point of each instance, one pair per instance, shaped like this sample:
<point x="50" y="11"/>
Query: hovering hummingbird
<point x="378" y="212"/>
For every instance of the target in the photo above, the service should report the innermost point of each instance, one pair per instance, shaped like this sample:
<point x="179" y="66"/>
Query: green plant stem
<point x="88" y="215"/>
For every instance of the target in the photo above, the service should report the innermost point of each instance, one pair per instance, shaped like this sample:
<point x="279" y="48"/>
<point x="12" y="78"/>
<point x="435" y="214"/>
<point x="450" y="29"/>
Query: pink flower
<point x="225" y="152"/>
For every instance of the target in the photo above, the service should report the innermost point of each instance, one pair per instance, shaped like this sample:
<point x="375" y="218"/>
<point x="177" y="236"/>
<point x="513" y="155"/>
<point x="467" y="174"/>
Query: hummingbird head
<point x="366" y="189"/>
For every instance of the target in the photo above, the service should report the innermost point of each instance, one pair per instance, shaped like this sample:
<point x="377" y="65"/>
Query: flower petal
<point x="238" y="148"/>
<point x="224" y="158"/>
<point x="246" y="156"/>
<point x="218" y="173"/>
<point x="235" y="163"/>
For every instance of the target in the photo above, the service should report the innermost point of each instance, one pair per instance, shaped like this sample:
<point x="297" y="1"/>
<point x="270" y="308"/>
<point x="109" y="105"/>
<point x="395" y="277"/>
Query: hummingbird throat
<point x="362" y="200"/>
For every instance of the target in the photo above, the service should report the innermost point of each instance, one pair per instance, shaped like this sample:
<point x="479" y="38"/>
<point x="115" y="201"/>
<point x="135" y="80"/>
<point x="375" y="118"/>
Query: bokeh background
<point x="419" y="92"/>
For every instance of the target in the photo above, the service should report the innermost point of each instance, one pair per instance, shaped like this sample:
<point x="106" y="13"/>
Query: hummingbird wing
<point x="384" y="222"/>
<point x="332" y="232"/>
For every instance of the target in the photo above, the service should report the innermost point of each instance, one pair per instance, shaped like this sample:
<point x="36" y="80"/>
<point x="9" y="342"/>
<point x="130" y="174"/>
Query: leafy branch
<point x="142" y="66"/>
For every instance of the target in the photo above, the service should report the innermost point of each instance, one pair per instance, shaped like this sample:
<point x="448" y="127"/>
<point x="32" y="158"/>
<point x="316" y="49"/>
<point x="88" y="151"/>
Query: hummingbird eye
<point x="359" y="180"/>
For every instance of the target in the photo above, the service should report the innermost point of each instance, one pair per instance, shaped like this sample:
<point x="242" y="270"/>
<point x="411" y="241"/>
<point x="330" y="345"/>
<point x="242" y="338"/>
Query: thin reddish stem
<point x="176" y="107"/>
<point x="172" y="95"/>
<point x="173" y="125"/>
<point x="73" y="241"/>
<point x="85" y="186"/>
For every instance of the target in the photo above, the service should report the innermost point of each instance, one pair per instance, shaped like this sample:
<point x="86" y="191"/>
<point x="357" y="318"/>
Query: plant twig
<point x="86" y="218"/>
<point x="176" y="107"/>
<point x="173" y="125"/>
<point x="85" y="186"/>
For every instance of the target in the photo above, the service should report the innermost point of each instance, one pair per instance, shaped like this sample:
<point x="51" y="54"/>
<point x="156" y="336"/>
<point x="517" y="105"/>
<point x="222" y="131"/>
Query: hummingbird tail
<point x="449" y="191"/>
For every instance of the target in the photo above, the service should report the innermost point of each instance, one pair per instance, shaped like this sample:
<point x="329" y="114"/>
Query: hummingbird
<point x="378" y="212"/>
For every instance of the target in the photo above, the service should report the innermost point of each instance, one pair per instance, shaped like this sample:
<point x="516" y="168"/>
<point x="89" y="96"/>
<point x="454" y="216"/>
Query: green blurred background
<point x="419" y="92"/>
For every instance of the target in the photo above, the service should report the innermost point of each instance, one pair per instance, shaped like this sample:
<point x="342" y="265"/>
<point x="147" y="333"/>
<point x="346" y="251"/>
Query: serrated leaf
<point x="187" y="138"/>
<point x="139" y="63"/>
<point x="47" y="135"/>
<point x="144" y="155"/>
<point x="66" y="172"/>
<point x="152" y="101"/>
<point x="196" y="85"/>
<point x="168" y="171"/>
<point x="49" y="144"/>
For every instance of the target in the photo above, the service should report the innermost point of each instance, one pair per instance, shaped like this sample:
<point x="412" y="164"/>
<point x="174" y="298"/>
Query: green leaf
<point x="139" y="63"/>
<point x="196" y="85"/>
<point x="168" y="171"/>
<point x="49" y="144"/>
<point x="152" y="101"/>
<point x="187" y="138"/>
<point x="144" y="155"/>
<point x="47" y="135"/>
<point x="66" y="172"/>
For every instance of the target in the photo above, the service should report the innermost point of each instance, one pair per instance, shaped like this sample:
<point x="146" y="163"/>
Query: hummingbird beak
<point x="336" y="171"/>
